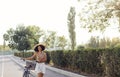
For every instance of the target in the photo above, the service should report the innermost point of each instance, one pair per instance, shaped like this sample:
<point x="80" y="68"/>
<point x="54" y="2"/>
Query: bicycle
<point x="26" y="71"/>
<point x="30" y="65"/>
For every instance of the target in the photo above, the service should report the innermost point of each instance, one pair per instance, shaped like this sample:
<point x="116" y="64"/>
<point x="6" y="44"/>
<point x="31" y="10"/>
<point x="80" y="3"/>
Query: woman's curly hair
<point x="42" y="47"/>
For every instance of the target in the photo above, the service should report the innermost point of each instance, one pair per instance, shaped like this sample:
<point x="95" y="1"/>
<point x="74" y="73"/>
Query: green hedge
<point x="57" y="58"/>
<point x="80" y="61"/>
<point x="28" y="54"/>
<point x="103" y="62"/>
<point x="23" y="54"/>
<point x="48" y="57"/>
<point x="111" y="62"/>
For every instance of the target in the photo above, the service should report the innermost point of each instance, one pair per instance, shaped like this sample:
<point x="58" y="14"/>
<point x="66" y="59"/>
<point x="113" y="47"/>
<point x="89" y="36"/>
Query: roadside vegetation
<point x="99" y="57"/>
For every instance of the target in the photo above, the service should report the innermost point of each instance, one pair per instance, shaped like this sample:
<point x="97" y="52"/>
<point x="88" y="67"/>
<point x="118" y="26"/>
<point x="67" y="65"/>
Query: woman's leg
<point x="40" y="74"/>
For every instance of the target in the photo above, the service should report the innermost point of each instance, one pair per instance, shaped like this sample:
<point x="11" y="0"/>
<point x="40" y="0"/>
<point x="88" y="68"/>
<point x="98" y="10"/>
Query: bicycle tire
<point x="25" y="74"/>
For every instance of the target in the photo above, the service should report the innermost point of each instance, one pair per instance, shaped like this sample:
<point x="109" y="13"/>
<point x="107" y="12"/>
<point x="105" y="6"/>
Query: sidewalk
<point x="66" y="73"/>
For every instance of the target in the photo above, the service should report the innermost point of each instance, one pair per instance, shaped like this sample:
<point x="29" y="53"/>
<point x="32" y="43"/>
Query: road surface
<point x="9" y="68"/>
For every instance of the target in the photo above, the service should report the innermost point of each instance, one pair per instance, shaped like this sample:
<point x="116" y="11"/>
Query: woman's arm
<point x="30" y="58"/>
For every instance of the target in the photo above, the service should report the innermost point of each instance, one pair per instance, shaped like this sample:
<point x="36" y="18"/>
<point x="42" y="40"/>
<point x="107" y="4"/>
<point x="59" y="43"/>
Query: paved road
<point x="9" y="68"/>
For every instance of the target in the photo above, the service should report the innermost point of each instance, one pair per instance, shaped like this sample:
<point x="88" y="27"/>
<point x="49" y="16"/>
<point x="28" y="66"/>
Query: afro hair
<point x="42" y="47"/>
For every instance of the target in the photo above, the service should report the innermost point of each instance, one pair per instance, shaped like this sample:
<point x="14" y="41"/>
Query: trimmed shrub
<point x="58" y="58"/>
<point x="48" y="57"/>
<point x="103" y="62"/>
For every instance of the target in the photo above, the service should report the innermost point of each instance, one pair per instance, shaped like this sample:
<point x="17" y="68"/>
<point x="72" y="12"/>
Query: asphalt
<point x="56" y="70"/>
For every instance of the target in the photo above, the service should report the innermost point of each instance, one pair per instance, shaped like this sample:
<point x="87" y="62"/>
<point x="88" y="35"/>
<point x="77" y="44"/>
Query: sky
<point x="47" y="14"/>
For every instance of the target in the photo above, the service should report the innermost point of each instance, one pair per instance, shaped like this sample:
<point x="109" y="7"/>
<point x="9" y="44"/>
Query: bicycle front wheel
<point x="25" y="74"/>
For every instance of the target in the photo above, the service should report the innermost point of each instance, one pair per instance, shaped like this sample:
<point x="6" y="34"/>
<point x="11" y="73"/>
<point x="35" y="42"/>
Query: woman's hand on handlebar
<point x="23" y="59"/>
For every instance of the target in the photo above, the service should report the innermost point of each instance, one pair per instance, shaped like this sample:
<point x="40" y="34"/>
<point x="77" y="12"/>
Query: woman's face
<point x="39" y="48"/>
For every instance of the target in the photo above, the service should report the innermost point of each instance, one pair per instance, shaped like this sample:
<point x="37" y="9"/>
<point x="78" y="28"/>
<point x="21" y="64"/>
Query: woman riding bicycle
<point x="40" y="58"/>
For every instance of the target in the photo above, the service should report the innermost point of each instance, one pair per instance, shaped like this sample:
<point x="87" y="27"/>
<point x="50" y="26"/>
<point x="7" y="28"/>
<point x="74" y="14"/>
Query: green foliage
<point x="93" y="18"/>
<point x="61" y="42"/>
<point x="48" y="57"/>
<point x="6" y="37"/>
<point x="28" y="54"/>
<point x="110" y="60"/>
<point x="85" y="60"/>
<point x="52" y="40"/>
<point x="24" y="38"/>
<point x="95" y="15"/>
<point x="117" y="45"/>
<point x="49" y="39"/>
<point x="80" y="47"/>
<point x="103" y="62"/>
<point x="34" y="33"/>
<point x="25" y="54"/>
<point x="71" y="27"/>
<point x="58" y="58"/>
<point x="114" y="6"/>
<point x="95" y="42"/>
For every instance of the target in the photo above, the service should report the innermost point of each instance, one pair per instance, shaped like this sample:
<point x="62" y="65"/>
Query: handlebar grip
<point x="22" y="59"/>
<point x="37" y="61"/>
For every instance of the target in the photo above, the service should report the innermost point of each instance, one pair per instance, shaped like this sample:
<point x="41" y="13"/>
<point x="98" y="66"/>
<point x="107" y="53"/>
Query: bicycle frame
<point x="26" y="71"/>
<point x="30" y="65"/>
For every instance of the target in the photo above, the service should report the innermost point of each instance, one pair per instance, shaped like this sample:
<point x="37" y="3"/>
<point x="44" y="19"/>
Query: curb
<point x="67" y="73"/>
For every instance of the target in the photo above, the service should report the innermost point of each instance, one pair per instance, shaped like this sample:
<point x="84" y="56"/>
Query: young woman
<point x="40" y="58"/>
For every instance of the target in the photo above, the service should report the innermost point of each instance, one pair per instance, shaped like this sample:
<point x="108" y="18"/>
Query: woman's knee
<point x="40" y="74"/>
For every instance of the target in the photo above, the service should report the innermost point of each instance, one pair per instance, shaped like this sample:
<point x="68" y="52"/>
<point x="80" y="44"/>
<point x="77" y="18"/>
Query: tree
<point x="6" y="38"/>
<point x="115" y="41"/>
<point x="96" y="14"/>
<point x="114" y="7"/>
<point x="80" y="47"/>
<point x="105" y="42"/>
<point x="10" y="34"/>
<point x="71" y="27"/>
<point x="93" y="42"/>
<point x="49" y="39"/>
<point x="24" y="38"/>
<point x="61" y="42"/>
<point x="34" y="34"/>
<point x="53" y="41"/>
<point x="93" y="16"/>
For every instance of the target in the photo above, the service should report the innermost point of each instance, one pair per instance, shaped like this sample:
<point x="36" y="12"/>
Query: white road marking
<point x="2" y="67"/>
<point x="2" y="74"/>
